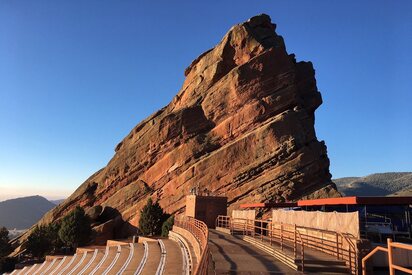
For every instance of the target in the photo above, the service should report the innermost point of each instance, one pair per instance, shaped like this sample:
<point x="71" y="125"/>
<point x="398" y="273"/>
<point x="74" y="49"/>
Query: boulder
<point x="103" y="232"/>
<point x="94" y="212"/>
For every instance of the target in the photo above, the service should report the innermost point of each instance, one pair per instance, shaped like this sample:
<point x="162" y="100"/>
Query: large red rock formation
<point x="242" y="126"/>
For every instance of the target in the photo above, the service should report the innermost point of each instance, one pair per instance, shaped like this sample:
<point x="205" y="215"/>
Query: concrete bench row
<point x="148" y="257"/>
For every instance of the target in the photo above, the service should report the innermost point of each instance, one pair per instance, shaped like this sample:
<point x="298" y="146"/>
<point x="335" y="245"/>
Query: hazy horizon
<point x="4" y="197"/>
<point x="76" y="77"/>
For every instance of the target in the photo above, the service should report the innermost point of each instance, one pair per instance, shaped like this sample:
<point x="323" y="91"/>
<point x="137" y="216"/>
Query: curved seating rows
<point x="149" y="257"/>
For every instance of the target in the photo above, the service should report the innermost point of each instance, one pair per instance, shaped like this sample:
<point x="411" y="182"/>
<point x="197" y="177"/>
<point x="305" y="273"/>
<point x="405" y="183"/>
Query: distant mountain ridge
<point x="57" y="202"/>
<point x="22" y="213"/>
<point x="379" y="184"/>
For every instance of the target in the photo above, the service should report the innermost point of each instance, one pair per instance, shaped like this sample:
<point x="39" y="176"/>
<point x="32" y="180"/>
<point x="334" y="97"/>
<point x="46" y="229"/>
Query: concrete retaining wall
<point x="190" y="238"/>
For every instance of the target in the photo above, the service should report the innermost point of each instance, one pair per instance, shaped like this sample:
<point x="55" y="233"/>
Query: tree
<point x="53" y="236"/>
<point x="38" y="243"/>
<point x="75" y="228"/>
<point x="44" y="240"/>
<point x="167" y="226"/>
<point x="151" y="219"/>
<point x="5" y="247"/>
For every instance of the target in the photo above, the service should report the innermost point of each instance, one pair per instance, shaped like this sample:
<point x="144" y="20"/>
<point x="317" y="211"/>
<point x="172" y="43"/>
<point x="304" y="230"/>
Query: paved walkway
<point x="234" y="256"/>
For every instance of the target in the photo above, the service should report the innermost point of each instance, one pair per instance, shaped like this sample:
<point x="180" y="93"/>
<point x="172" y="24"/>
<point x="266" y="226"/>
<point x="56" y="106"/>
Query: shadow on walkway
<point x="234" y="256"/>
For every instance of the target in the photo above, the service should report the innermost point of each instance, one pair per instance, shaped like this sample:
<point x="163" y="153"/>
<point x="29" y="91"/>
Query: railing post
<point x="356" y="260"/>
<point x="252" y="229"/>
<point x="303" y="255"/>
<point x="249" y="229"/>
<point x="294" y="242"/>
<point x="261" y="230"/>
<point x="270" y="233"/>
<point x="337" y="245"/>
<point x="281" y="236"/>
<point x="390" y="261"/>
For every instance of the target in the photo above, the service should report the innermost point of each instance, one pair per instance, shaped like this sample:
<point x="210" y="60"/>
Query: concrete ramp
<point x="231" y="255"/>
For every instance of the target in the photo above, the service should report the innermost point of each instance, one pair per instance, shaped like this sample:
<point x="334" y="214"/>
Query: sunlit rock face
<point x="241" y="126"/>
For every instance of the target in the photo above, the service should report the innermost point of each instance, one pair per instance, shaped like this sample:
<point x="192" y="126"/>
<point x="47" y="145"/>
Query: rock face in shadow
<point x="241" y="126"/>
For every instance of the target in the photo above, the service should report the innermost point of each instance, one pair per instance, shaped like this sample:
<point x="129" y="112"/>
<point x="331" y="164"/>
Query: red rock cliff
<point x="241" y="126"/>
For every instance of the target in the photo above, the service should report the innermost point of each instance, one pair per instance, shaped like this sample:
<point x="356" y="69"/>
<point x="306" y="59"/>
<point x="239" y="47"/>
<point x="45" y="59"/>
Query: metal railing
<point x="201" y="233"/>
<point x="295" y="238"/>
<point x="392" y="267"/>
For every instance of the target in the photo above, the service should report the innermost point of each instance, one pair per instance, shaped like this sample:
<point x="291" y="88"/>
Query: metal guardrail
<point x="296" y="238"/>
<point x="200" y="231"/>
<point x="392" y="267"/>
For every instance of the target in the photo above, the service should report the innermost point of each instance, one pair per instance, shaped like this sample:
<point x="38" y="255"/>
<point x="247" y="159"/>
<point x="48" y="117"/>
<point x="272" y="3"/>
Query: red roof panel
<point x="335" y="201"/>
<point x="269" y="205"/>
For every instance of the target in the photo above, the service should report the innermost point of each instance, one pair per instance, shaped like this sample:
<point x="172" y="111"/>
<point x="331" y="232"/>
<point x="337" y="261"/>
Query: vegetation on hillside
<point x="380" y="184"/>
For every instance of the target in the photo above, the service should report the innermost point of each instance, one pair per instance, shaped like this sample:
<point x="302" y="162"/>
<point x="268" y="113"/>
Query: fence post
<point x="390" y="261"/>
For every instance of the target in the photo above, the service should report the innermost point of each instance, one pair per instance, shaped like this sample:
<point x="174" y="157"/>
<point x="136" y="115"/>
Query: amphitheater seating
<point x="162" y="256"/>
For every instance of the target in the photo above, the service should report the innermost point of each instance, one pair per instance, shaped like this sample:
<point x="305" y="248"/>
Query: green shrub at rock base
<point x="167" y="226"/>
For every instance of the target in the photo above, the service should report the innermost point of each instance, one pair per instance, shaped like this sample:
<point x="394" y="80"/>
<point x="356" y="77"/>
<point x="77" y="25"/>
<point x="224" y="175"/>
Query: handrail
<point x="351" y="246"/>
<point x="201" y="233"/>
<point x="370" y="254"/>
<point x="389" y="251"/>
<point x="290" y="236"/>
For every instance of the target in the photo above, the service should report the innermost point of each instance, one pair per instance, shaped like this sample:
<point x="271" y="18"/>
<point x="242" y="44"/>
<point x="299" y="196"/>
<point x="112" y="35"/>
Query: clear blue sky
<point x="76" y="76"/>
